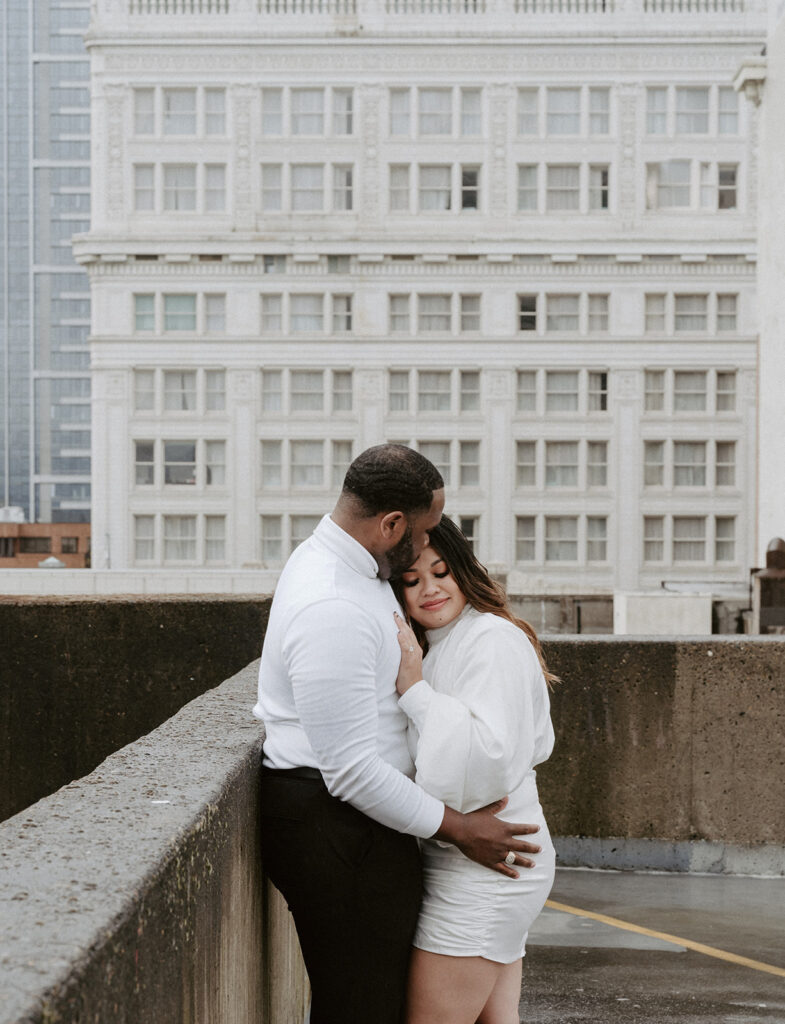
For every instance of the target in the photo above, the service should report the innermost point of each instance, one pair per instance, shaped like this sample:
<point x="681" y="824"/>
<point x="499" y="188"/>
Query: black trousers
<point x="354" y="889"/>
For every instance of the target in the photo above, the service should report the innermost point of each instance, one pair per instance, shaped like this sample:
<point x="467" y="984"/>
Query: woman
<point x="479" y="721"/>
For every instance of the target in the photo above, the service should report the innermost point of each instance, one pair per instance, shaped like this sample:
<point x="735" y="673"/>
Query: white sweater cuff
<point x="416" y="701"/>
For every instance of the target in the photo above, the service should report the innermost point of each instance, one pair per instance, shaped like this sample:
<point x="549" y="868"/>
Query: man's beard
<point x="399" y="557"/>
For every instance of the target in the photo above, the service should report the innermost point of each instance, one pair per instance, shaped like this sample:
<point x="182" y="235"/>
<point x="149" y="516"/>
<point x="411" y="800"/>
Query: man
<point x="340" y="811"/>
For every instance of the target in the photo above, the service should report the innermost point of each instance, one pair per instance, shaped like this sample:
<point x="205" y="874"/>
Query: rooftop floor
<point x="592" y="970"/>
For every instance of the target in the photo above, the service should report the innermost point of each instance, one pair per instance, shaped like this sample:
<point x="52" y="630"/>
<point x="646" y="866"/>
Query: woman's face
<point x="430" y="593"/>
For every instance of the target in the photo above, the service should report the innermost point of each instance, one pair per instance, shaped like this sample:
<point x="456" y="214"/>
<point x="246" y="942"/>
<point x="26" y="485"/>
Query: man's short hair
<point x="391" y="477"/>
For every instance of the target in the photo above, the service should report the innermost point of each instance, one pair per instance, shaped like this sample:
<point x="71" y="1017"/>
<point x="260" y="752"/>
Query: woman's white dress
<point x="479" y="721"/>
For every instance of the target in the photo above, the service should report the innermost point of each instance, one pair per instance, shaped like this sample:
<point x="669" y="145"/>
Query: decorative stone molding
<point x="115" y="136"/>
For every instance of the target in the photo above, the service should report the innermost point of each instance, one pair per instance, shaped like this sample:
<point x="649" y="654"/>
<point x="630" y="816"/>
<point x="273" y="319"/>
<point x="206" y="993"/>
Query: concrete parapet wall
<point x="669" y="739"/>
<point x="82" y="677"/>
<point x="136" y="894"/>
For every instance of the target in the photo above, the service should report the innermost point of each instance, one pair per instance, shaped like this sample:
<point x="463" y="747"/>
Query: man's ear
<point x="392" y="526"/>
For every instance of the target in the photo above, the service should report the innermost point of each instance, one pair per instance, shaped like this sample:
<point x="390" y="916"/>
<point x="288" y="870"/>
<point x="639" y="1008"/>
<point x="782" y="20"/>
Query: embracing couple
<point x="405" y="709"/>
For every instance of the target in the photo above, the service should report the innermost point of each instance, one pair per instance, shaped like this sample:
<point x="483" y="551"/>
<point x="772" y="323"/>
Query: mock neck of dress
<point x="349" y="550"/>
<point x="436" y="635"/>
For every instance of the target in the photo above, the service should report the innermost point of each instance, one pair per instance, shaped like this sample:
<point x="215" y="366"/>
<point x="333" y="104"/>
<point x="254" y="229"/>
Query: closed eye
<point x="441" y="575"/>
<point x="410" y="583"/>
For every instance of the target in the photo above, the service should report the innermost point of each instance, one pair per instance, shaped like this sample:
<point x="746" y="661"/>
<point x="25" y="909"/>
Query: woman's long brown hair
<point x="481" y="592"/>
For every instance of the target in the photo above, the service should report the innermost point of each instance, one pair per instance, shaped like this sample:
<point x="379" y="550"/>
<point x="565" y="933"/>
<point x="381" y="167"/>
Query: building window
<point x="469" y="452"/>
<point x="470" y="390"/>
<point x="214" y="538"/>
<point x="342" y="390"/>
<point x="725" y="475"/>
<point x="272" y="195"/>
<point x="470" y="188"/>
<point x="654" y="387"/>
<point x="215" y="111"/>
<point x="525" y="464"/>
<point x="469" y="313"/>
<point x="528" y="108"/>
<point x="668" y="185"/>
<point x="561" y="391"/>
<point x="179" y="111"/>
<point x="400" y="112"/>
<point x="180" y="462"/>
<point x="179" y="538"/>
<point x="307" y="187"/>
<point x="144" y="390"/>
<point x="306" y="313"/>
<point x="563" y="111"/>
<point x="527" y="188"/>
<point x="272" y="464"/>
<point x="435" y="111"/>
<point x="180" y="187"/>
<point x="434" y="187"/>
<point x="562" y="313"/>
<point x="597" y="464"/>
<point x="689" y="539"/>
<point x="653" y="463"/>
<point x="726" y="312"/>
<point x="691" y="312"/>
<point x="724" y="539"/>
<point x="144" y="187"/>
<point x="399" y="390"/>
<point x="272" y="111"/>
<point x="272" y="314"/>
<point x="527" y="312"/>
<point x="215" y="463"/>
<point x="563" y="187"/>
<point x="598" y="313"/>
<point x="561" y="538"/>
<point x="599" y="111"/>
<point x="215" y="188"/>
<point x="307" y="463"/>
<point x="301" y="528"/>
<point x="343" y="175"/>
<point x="726" y="391"/>
<point x="653" y="538"/>
<point x="433" y="391"/>
<point x="727" y="175"/>
<point x="599" y="187"/>
<point x="656" y="111"/>
<point x="179" y="312"/>
<point x="728" y="111"/>
<point x="598" y="391"/>
<point x="692" y="111"/>
<point x="68" y="545"/>
<point x="399" y="187"/>
<point x="561" y="463"/>
<point x="144" y="461"/>
<point x="655" y="313"/>
<point x="341" y="460"/>
<point x="272" y="391"/>
<point x="433" y="313"/>
<point x="307" y="391"/>
<point x="526" y="391"/>
<point x="215" y="390"/>
<point x="179" y="391"/>
<point x="596" y="539"/>
<point x="399" y="314"/>
<point x="437" y="452"/>
<point x="468" y="526"/>
<point x="144" y="111"/>
<point x="471" y="112"/>
<point x="272" y="540"/>
<point x="144" y="538"/>
<point x="214" y="314"/>
<point x="689" y="463"/>
<point x="525" y="539"/>
<point x="307" y="113"/>
<point x="689" y="391"/>
<point x="342" y="313"/>
<point x="343" y="111"/>
<point x="144" y="312"/>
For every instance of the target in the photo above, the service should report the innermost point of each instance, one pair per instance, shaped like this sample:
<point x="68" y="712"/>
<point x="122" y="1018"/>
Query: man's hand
<point x="484" y="838"/>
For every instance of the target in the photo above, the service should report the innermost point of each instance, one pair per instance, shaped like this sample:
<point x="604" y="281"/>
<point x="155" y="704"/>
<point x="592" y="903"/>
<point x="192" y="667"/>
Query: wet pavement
<point x="580" y="969"/>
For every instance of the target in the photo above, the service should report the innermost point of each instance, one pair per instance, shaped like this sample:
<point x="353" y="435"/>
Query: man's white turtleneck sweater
<point x="327" y="682"/>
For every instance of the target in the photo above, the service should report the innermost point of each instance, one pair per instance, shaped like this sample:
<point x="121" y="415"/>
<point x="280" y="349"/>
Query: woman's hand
<point x="410" y="671"/>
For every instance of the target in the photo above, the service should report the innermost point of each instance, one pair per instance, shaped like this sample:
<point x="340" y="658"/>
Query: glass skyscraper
<point x="44" y="294"/>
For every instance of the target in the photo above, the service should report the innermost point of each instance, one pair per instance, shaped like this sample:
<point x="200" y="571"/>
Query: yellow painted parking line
<point x="719" y="954"/>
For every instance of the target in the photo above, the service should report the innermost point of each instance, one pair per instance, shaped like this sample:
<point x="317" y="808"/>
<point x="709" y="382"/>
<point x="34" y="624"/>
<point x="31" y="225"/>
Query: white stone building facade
<point x="519" y="236"/>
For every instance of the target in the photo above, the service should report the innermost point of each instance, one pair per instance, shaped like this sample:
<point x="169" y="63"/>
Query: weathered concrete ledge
<point x="136" y="893"/>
